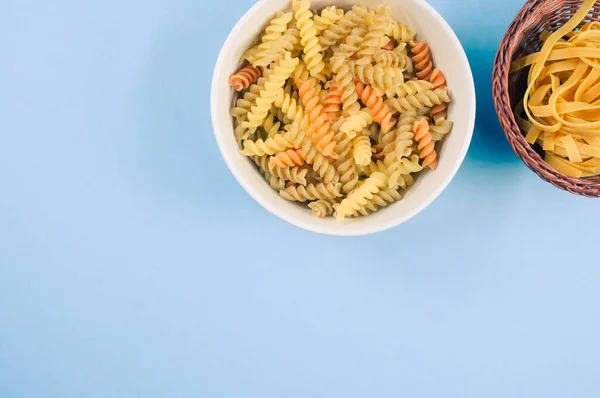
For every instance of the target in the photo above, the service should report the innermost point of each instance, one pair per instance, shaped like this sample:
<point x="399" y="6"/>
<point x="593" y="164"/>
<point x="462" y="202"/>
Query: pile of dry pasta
<point x="562" y="101"/>
<point x="340" y="109"/>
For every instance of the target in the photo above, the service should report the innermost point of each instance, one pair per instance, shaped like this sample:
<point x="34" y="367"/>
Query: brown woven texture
<point x="523" y="38"/>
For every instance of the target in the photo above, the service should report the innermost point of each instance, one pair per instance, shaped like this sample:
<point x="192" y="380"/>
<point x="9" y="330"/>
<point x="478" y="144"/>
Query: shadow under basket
<point x="523" y="38"/>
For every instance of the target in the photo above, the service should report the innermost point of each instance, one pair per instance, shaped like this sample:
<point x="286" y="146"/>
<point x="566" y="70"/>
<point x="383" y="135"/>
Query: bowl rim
<point x="332" y="229"/>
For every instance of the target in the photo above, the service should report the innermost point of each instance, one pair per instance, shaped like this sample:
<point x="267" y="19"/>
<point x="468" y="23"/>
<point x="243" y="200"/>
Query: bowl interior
<point x="448" y="55"/>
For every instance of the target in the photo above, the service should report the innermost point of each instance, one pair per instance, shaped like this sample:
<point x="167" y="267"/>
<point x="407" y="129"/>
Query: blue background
<point x="133" y="265"/>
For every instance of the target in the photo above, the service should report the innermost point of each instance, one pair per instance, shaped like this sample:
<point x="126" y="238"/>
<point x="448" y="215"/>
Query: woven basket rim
<point x="527" y="20"/>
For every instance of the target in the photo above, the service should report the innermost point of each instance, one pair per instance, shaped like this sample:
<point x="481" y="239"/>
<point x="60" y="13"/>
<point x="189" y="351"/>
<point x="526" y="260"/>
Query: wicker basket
<point x="522" y="38"/>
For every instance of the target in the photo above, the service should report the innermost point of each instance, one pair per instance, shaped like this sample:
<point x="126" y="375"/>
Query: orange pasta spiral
<point x="244" y="77"/>
<point x="289" y="158"/>
<point x="422" y="59"/>
<point x="331" y="105"/>
<point x="426" y="144"/>
<point x="381" y="112"/>
<point x="323" y="137"/>
<point x="438" y="80"/>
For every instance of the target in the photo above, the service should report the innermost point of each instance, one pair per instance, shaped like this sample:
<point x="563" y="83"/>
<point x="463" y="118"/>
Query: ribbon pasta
<point x="562" y="100"/>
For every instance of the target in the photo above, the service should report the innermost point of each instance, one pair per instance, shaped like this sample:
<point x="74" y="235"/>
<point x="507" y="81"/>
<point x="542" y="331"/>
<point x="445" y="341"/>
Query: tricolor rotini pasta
<point x="340" y="110"/>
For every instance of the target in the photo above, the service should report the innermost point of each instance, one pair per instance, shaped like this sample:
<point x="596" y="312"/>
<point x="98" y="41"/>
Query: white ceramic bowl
<point x="448" y="55"/>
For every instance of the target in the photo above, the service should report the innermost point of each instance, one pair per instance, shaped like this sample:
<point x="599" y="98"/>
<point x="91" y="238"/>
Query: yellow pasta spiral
<point x="361" y="148"/>
<point x="352" y="44"/>
<point x="273" y="32"/>
<point x="361" y="196"/>
<point x="440" y="129"/>
<point x="390" y="58"/>
<point x="343" y="74"/>
<point x="355" y="123"/>
<point x="345" y="164"/>
<point x="397" y="165"/>
<point x="275" y="182"/>
<point x="299" y="193"/>
<point x="413" y="87"/>
<point x="329" y="16"/>
<point x="286" y="43"/>
<point x="308" y="38"/>
<point x="244" y="104"/>
<point x="321" y="208"/>
<point x="383" y="198"/>
<point x="250" y="55"/>
<point x="275" y="82"/>
<point x="383" y="79"/>
<point x="338" y="31"/>
<point x="399" y="172"/>
<point x="300" y="74"/>
<point x="386" y="141"/>
<point x="345" y="80"/>
<point x="420" y="100"/>
<point x="404" y="135"/>
<point x="269" y="146"/>
<point x="375" y="37"/>
<point x="292" y="109"/>
<point x="270" y="126"/>
<point x="295" y="175"/>
<point x="400" y="32"/>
